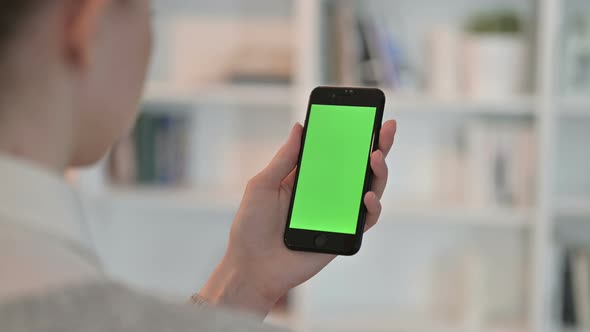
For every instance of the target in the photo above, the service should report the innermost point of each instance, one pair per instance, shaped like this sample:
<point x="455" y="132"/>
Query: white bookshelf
<point x="543" y="107"/>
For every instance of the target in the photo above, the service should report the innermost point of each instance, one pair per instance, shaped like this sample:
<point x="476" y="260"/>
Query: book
<point x="451" y="167"/>
<point x="164" y="151"/>
<point x="360" y="48"/>
<point x="144" y="136"/>
<point x="500" y="163"/>
<point x="381" y="53"/>
<point x="347" y="43"/>
<point x="368" y="64"/>
<point x="482" y="165"/>
<point x="443" y="62"/>
<point x="575" y="289"/>
<point x="568" y="313"/>
<point x="525" y="170"/>
<point x="180" y="142"/>
<point x="155" y="154"/>
<point x="580" y="266"/>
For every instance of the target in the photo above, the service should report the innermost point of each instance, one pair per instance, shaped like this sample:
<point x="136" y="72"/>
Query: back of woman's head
<point x="80" y="61"/>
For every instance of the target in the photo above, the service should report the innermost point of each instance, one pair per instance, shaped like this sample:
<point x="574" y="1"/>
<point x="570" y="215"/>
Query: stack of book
<point x="361" y="50"/>
<point x="487" y="163"/>
<point x="155" y="154"/>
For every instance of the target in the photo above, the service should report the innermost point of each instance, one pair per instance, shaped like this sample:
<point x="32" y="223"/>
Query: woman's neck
<point x="37" y="133"/>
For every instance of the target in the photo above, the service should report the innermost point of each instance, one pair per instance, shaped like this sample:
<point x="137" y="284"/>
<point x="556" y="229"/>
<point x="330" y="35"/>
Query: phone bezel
<point x="337" y="243"/>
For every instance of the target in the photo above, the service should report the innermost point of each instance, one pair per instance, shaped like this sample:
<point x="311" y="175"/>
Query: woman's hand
<point x="258" y="268"/>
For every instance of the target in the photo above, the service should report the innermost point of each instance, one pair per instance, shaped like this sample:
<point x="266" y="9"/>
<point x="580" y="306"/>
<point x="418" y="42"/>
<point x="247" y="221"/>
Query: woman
<point x="71" y="75"/>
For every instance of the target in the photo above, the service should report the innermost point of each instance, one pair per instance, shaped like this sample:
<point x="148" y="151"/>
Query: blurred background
<point x="486" y="220"/>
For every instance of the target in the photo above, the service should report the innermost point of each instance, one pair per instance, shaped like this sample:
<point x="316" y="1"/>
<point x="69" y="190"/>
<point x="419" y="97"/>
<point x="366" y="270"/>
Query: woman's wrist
<point x="233" y="287"/>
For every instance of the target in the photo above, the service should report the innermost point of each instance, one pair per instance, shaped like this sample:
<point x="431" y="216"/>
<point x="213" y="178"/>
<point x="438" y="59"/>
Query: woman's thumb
<point x="283" y="163"/>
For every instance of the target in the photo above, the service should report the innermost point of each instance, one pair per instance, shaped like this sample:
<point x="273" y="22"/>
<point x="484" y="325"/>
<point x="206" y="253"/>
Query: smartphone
<point x="327" y="212"/>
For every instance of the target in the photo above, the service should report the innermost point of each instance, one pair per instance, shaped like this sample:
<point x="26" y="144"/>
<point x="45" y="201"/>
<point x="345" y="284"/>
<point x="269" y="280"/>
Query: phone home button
<point x="320" y="240"/>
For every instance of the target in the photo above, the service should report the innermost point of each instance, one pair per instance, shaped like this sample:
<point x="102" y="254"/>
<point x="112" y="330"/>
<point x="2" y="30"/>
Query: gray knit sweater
<point x="101" y="307"/>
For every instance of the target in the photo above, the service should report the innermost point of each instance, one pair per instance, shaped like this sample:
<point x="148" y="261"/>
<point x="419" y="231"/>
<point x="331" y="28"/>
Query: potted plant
<point x="494" y="50"/>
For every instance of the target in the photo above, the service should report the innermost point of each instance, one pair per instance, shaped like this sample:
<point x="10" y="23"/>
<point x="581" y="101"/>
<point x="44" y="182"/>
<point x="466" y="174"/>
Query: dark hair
<point x="12" y="14"/>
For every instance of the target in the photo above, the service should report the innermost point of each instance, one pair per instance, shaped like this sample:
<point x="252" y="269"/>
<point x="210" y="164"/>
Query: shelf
<point x="279" y="96"/>
<point x="459" y="217"/>
<point x="150" y="198"/>
<point x="513" y="106"/>
<point x="573" y="221"/>
<point x="575" y="207"/>
<point x="575" y="107"/>
<point x="269" y="96"/>
<point x="573" y="232"/>
<point x="573" y="330"/>
<point x="376" y="324"/>
<point x="380" y="324"/>
<point x="197" y="201"/>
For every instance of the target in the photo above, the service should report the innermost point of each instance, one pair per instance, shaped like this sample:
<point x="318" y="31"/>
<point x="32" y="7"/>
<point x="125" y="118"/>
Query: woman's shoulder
<point x="109" y="306"/>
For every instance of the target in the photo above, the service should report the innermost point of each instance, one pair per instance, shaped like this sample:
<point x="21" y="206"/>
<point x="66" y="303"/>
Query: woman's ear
<point x="82" y="25"/>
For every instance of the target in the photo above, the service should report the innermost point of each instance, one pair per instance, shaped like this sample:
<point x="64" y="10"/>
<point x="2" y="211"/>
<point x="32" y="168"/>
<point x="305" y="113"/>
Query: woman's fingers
<point x="378" y="163"/>
<point x="387" y="136"/>
<point x="289" y="182"/>
<point x="283" y="163"/>
<point x="381" y="173"/>
<point x="373" y="210"/>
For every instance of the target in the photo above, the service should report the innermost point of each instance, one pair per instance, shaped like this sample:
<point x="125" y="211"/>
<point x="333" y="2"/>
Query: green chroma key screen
<point x="333" y="168"/>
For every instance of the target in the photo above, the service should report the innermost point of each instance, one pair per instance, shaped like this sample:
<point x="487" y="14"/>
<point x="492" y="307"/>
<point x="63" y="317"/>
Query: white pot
<point x="494" y="66"/>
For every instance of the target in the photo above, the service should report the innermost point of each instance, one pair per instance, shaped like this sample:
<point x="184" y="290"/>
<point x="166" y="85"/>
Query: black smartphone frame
<point x="328" y="242"/>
